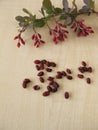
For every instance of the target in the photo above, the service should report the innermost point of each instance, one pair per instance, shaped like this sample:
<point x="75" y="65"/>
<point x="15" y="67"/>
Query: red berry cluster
<point x="59" y="33"/>
<point x="20" y="39"/>
<point x="81" y="29"/>
<point x="37" y="39"/>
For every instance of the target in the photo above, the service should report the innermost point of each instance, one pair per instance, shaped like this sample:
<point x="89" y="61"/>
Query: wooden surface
<point x="27" y="109"/>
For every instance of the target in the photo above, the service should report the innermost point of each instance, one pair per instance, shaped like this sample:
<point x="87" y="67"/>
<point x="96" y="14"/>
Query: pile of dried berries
<point x="44" y="66"/>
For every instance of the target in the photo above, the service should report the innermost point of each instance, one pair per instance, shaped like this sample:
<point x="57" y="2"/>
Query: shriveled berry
<point x="38" y="67"/>
<point x="64" y="73"/>
<point x="53" y="64"/>
<point x="48" y="69"/>
<point x="81" y="76"/>
<point x="41" y="73"/>
<point x="59" y="76"/>
<point x="54" y="90"/>
<point x="41" y="79"/>
<point x="89" y="69"/>
<point x="43" y="61"/>
<point x="66" y="95"/>
<point x="51" y="82"/>
<point x="68" y="71"/>
<point x="48" y="63"/>
<point x="25" y="82"/>
<point x="49" y="88"/>
<point x="50" y="78"/>
<point x="83" y="63"/>
<point x="46" y="93"/>
<point x="42" y="66"/>
<point x="69" y="77"/>
<point x="36" y="87"/>
<point x="37" y="61"/>
<point x="88" y="80"/>
<point x="55" y="85"/>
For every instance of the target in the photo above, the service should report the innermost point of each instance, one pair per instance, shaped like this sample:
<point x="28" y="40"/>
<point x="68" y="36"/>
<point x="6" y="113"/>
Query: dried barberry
<point x="25" y="82"/>
<point x="46" y="93"/>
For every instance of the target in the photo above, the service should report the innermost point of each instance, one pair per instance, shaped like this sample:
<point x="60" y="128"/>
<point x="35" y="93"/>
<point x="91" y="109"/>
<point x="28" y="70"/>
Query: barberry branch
<point x="63" y="17"/>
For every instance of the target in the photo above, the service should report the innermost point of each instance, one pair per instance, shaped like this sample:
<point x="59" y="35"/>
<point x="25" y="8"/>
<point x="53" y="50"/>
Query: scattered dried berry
<point x="59" y="76"/>
<point x="89" y="69"/>
<point x="69" y="77"/>
<point x="64" y="73"/>
<point x="41" y="73"/>
<point x="66" y="95"/>
<point x="54" y="90"/>
<point x="83" y="63"/>
<point x="25" y="82"/>
<point x="81" y="76"/>
<point x="37" y="61"/>
<point x="48" y="70"/>
<point x="68" y="71"/>
<point x="37" y="67"/>
<point x="49" y="88"/>
<point x="50" y="78"/>
<point x="36" y="87"/>
<point x="41" y="79"/>
<point x="53" y="64"/>
<point x="55" y="85"/>
<point x="46" y="93"/>
<point x="88" y="80"/>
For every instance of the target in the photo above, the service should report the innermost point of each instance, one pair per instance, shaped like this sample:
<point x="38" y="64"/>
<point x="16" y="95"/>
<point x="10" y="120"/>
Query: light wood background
<point x="26" y="109"/>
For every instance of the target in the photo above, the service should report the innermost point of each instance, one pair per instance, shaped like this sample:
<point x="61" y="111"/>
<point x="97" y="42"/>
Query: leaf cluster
<point x="48" y="10"/>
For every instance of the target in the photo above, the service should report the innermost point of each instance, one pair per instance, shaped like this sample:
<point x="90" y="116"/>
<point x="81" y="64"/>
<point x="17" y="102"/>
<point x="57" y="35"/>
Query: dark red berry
<point x="41" y="73"/>
<point x="59" y="76"/>
<point x="43" y="61"/>
<point x="46" y="93"/>
<point x="36" y="87"/>
<point x="89" y="69"/>
<point x="48" y="63"/>
<point x="64" y="73"/>
<point x="50" y="78"/>
<point x="49" y="88"/>
<point x="66" y="95"/>
<point x="42" y="66"/>
<point x="68" y="71"/>
<point x="88" y="80"/>
<point x="41" y="79"/>
<point x="53" y="64"/>
<point x="59" y="73"/>
<point x="80" y="76"/>
<point x="37" y="61"/>
<point x="38" y="67"/>
<point x="83" y="63"/>
<point x="48" y="70"/>
<point x="25" y="82"/>
<point x="55" y="85"/>
<point x="69" y="77"/>
<point x="54" y="90"/>
<point x="51" y="82"/>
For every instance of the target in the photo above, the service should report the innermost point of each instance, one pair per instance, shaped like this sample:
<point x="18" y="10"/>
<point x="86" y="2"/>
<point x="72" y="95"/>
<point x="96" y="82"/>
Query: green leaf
<point x="20" y="19"/>
<point x="49" y="11"/>
<point x="39" y="23"/>
<point x="47" y="4"/>
<point x="57" y="10"/>
<point x="63" y="16"/>
<point x="27" y="12"/>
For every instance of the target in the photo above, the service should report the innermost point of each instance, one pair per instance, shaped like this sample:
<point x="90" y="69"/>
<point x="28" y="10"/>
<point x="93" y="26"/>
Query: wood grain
<point x="28" y="110"/>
